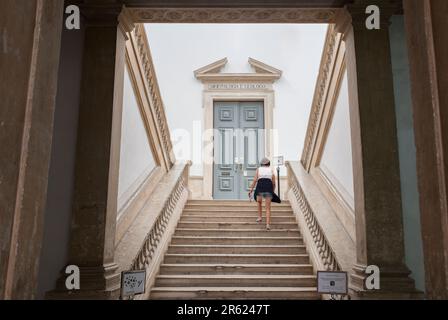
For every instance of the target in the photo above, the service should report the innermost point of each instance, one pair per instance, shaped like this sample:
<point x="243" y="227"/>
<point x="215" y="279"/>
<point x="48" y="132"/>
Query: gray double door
<point x="238" y="147"/>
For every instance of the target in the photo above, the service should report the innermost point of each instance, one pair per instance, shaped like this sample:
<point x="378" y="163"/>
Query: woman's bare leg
<point x="268" y="211"/>
<point x="260" y="210"/>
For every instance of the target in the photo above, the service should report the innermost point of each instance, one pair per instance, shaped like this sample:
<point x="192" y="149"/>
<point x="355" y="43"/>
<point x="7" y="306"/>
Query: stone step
<point x="237" y="258"/>
<point x="230" y="203"/>
<point x="236" y="240"/>
<point x="237" y="232"/>
<point x="229" y="211"/>
<point x="245" y="204"/>
<point x="264" y="293"/>
<point x="235" y="225"/>
<point x="253" y="269"/>
<point x="233" y="218"/>
<point x="219" y="251"/>
<point x="252" y="208"/>
<point x="233" y="280"/>
<point x="253" y="214"/>
<point x="237" y="249"/>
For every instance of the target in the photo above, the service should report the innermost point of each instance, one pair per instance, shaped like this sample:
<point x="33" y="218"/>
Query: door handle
<point x="238" y="167"/>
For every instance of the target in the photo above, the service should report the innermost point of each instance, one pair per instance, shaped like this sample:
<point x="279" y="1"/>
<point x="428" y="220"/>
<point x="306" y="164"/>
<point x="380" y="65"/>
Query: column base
<point x="96" y="283"/>
<point x="395" y="284"/>
<point x="83" y="295"/>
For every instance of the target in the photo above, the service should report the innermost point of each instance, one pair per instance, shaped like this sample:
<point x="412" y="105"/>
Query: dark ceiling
<point x="238" y="3"/>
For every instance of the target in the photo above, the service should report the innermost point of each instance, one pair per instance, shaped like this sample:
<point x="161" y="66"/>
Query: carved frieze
<point x="234" y="15"/>
<point x="153" y="88"/>
<point x="238" y="86"/>
<point x="328" y="58"/>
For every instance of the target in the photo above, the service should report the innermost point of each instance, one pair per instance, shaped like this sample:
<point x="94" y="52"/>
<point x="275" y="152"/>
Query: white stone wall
<point x="136" y="158"/>
<point x="179" y="49"/>
<point x="336" y="160"/>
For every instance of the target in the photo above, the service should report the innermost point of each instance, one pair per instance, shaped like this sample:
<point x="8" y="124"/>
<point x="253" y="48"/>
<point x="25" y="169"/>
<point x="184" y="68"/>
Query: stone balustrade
<point x="145" y="242"/>
<point x="329" y="244"/>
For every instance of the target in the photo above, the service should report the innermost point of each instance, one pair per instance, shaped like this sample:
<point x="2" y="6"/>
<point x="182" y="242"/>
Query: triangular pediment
<point x="214" y="67"/>
<point x="263" y="72"/>
<point x="261" y="67"/>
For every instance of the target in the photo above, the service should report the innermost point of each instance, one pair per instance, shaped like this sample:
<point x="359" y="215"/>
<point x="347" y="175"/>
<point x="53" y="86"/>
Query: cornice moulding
<point x="238" y="77"/>
<point x="214" y="67"/>
<point x="263" y="72"/>
<point x="261" y="67"/>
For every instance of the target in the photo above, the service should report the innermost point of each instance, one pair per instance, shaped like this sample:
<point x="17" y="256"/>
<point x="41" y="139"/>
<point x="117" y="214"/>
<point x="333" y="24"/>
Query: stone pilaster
<point x="378" y="210"/>
<point x="93" y="226"/>
<point x="29" y="60"/>
<point x="427" y="37"/>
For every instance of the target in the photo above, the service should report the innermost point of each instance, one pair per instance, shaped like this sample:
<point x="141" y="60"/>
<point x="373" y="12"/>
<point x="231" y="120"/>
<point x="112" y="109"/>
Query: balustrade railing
<point x="155" y="234"/>
<point x="145" y="242"/>
<point x="325" y="252"/>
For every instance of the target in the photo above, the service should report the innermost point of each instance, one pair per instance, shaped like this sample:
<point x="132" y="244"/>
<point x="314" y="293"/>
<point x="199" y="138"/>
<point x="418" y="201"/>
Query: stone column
<point x="378" y="211"/>
<point x="92" y="242"/>
<point x="427" y="26"/>
<point x="29" y="59"/>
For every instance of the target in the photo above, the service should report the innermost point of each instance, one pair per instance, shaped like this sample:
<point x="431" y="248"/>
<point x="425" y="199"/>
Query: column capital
<point x="343" y="21"/>
<point x="359" y="15"/>
<point x="126" y="21"/>
<point x="103" y="14"/>
<point x="356" y="14"/>
<point x="109" y="15"/>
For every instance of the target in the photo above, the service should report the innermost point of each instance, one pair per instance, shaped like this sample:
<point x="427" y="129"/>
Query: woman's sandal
<point x="268" y="227"/>
<point x="259" y="220"/>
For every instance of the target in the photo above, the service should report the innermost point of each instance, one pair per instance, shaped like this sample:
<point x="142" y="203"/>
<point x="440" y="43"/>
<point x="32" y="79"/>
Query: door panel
<point x="251" y="124"/>
<point x="225" y="180"/>
<point x="238" y="147"/>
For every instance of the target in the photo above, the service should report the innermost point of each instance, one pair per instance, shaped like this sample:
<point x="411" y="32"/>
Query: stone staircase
<point x="218" y="251"/>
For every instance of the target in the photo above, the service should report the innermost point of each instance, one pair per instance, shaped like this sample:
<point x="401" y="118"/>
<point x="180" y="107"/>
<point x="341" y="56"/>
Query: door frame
<point x="266" y="96"/>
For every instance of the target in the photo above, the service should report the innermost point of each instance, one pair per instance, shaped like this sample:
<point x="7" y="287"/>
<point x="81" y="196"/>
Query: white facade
<point x="336" y="160"/>
<point x="179" y="49"/>
<point x="136" y="158"/>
